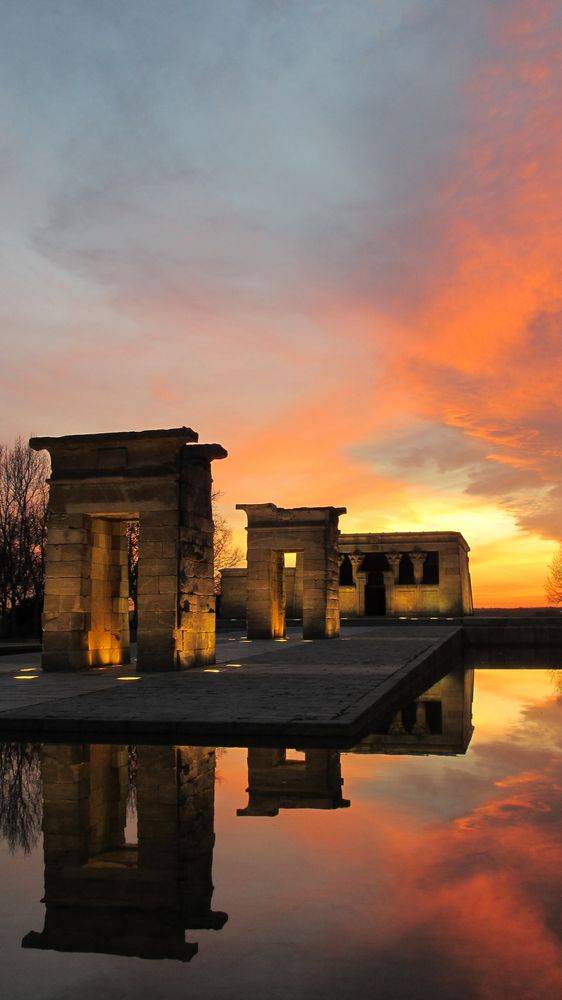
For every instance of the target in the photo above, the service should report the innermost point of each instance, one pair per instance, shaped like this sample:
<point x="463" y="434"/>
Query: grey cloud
<point x="266" y="145"/>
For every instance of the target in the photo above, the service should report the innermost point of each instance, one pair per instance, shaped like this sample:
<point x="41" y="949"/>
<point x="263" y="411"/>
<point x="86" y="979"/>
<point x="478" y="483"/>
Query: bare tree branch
<point x="23" y="527"/>
<point x="553" y="582"/>
<point x="21" y="804"/>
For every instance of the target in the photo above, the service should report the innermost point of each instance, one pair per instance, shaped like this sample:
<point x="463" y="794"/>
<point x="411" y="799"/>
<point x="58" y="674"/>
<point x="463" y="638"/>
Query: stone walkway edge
<point x="326" y="692"/>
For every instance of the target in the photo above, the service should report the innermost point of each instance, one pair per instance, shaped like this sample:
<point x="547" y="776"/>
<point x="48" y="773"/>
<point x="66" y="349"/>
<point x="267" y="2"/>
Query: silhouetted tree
<point x="132" y="531"/>
<point x="23" y="526"/>
<point x="553" y="582"/>
<point x="227" y="555"/>
<point x="21" y="799"/>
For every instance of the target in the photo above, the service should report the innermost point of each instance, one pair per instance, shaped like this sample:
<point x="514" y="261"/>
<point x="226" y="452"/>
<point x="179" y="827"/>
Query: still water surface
<point x="434" y="871"/>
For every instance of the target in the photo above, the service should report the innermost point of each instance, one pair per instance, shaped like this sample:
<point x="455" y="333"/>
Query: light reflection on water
<point x="423" y="863"/>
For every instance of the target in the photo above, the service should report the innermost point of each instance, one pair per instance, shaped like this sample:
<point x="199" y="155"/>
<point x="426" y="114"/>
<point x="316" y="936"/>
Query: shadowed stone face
<point x="98" y="483"/>
<point x="105" y="895"/>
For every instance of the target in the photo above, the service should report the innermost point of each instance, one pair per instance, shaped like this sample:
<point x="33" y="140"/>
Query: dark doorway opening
<point x="375" y="594"/>
<point x="376" y="565"/>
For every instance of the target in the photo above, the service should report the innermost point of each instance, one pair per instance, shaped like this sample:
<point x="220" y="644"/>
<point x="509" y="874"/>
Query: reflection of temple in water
<point x="104" y="895"/>
<point x="438" y="722"/>
<point x="276" y="781"/>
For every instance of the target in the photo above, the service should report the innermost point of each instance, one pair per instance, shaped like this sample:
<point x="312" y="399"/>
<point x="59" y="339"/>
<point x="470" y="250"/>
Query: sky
<point x="322" y="233"/>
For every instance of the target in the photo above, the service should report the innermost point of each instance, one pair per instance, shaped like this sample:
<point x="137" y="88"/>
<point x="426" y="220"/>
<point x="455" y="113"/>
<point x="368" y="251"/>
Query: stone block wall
<point x="66" y="609"/>
<point x="195" y="638"/>
<point x="312" y="533"/>
<point x="451" y="596"/>
<point x="103" y="895"/>
<point x="275" y="781"/>
<point x="233" y="592"/>
<point x="99" y="482"/>
<point x="157" y="588"/>
<point x="84" y="806"/>
<point x="108" y="636"/>
<point x="85" y="615"/>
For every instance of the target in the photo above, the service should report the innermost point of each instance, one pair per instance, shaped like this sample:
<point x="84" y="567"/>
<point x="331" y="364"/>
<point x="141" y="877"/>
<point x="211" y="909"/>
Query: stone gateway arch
<point x="312" y="534"/>
<point x="98" y="483"/>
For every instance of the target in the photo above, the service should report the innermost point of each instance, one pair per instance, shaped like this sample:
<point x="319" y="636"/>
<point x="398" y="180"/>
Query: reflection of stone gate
<point x="275" y="781"/>
<point x="104" y="895"/>
<point x="273" y="531"/>
<point x="98" y="483"/>
<point x="437" y="722"/>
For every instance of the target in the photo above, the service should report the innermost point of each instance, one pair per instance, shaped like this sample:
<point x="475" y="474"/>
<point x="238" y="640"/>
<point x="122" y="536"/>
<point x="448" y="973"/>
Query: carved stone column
<point x="389" y="583"/>
<point x="418" y="559"/>
<point x="356" y="558"/>
<point x="397" y="727"/>
<point x="393" y="560"/>
<point x="360" y="592"/>
<point x="420" y="727"/>
<point x="359" y="581"/>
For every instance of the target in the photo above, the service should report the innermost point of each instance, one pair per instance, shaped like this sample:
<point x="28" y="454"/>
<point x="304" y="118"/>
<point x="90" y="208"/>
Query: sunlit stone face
<point x="99" y="484"/>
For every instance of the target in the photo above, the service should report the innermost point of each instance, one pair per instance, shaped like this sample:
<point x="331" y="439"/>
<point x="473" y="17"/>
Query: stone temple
<point x="162" y="479"/>
<point x="396" y="574"/>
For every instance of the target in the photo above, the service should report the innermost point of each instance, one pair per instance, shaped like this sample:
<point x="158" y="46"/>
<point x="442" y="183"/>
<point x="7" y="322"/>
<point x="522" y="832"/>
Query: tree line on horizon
<point x="24" y="497"/>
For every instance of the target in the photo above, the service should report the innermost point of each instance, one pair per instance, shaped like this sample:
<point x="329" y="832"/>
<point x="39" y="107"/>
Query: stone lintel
<point x="120" y="453"/>
<point x="403" y="540"/>
<point x="268" y="515"/>
<point x="112" y="438"/>
<point x="207" y="452"/>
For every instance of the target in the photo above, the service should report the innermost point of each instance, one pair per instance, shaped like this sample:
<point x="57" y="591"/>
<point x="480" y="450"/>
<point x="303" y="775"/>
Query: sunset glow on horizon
<point x="326" y="236"/>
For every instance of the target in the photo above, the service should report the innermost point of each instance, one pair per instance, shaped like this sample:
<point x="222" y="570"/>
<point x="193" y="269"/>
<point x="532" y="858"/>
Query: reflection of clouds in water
<point x="512" y="734"/>
<point x="496" y="873"/>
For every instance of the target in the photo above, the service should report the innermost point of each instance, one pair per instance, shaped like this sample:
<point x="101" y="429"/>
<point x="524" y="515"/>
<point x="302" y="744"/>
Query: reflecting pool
<point x="425" y="862"/>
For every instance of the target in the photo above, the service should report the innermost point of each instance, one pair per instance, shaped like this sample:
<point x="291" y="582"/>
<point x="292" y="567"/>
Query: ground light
<point x="135" y="678"/>
<point x="211" y="670"/>
<point x="25" y="677"/>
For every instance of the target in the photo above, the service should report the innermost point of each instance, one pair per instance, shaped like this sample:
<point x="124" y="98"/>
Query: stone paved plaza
<point x="258" y="690"/>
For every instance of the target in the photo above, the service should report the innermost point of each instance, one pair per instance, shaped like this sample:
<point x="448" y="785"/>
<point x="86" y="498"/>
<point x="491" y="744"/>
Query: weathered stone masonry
<point x="98" y="483"/>
<point x="393" y="574"/>
<point x="311" y="532"/>
<point x="105" y="895"/>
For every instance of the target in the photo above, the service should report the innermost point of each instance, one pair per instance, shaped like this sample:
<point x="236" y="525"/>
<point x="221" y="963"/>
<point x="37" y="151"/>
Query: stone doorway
<point x="312" y="534"/>
<point x="375" y="566"/>
<point x="375" y="594"/>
